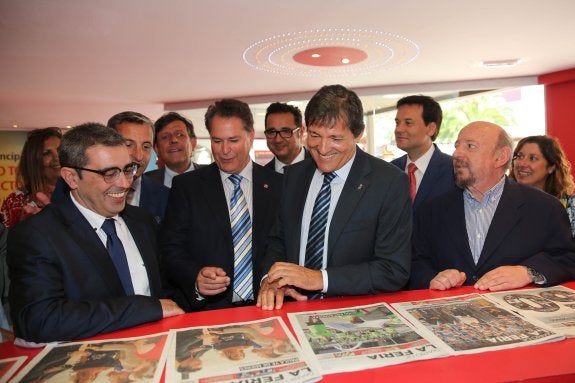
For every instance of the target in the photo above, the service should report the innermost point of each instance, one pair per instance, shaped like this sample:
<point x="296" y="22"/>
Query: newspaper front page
<point x="138" y="359"/>
<point x="361" y="337"/>
<point x="473" y="323"/>
<point x="554" y="306"/>
<point x="256" y="351"/>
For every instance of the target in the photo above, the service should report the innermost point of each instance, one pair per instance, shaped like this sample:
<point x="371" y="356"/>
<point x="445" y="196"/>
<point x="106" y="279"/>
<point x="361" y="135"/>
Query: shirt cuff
<point x="325" y="280"/>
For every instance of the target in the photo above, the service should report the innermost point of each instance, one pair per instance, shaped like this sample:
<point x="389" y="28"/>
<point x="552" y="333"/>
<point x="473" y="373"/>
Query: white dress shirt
<point x="137" y="267"/>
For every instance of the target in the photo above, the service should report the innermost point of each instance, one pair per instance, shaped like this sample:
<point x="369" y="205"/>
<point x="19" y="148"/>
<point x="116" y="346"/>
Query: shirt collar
<point x="245" y="173"/>
<point x="94" y="219"/>
<point x="423" y="161"/>
<point x="490" y="195"/>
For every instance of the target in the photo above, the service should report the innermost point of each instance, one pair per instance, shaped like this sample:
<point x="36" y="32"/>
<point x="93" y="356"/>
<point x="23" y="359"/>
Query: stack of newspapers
<point x="330" y="341"/>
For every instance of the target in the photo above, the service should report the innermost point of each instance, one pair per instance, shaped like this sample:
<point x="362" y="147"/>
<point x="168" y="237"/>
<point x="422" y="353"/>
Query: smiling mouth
<point x="118" y="194"/>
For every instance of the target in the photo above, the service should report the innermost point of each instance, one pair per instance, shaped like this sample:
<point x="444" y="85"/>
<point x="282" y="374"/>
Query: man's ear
<point x="503" y="156"/>
<point x="432" y="126"/>
<point x="70" y="176"/>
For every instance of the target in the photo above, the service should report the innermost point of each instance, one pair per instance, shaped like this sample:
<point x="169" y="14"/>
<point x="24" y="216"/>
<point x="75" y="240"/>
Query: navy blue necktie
<point x="242" y="239"/>
<point x="116" y="251"/>
<point x="317" y="227"/>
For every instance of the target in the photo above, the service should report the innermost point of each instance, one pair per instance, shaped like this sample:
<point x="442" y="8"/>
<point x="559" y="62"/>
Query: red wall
<point x="560" y="109"/>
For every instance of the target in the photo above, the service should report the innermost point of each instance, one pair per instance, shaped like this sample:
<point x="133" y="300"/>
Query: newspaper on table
<point x="554" y="306"/>
<point x="9" y="366"/>
<point x="472" y="323"/>
<point x="361" y="337"/>
<point x="255" y="351"/>
<point x="138" y="359"/>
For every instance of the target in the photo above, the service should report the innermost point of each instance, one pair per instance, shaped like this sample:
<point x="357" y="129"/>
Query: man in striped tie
<point x="218" y="217"/>
<point x="344" y="224"/>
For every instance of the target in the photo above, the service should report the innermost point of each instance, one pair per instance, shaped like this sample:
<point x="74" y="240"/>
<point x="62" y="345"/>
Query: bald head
<point x="482" y="156"/>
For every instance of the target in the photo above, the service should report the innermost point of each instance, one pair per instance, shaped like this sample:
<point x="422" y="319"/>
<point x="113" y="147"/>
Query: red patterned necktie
<point x="411" y="168"/>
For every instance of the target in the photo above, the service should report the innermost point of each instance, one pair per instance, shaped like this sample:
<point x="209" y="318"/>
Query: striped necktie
<point x="317" y="226"/>
<point x="242" y="239"/>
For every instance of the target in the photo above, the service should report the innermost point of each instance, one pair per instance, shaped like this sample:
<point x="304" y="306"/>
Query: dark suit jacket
<point x="158" y="174"/>
<point x="64" y="284"/>
<point x="271" y="164"/>
<point x="154" y="197"/>
<point x="438" y="178"/>
<point x="529" y="228"/>
<point x="197" y="232"/>
<point x="369" y="249"/>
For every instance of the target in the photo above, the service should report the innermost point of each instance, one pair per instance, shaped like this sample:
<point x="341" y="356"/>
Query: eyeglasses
<point x="112" y="174"/>
<point x="283" y="132"/>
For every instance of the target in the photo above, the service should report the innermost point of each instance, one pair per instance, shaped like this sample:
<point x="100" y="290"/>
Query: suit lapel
<point x="148" y="253"/>
<point x="458" y="229"/>
<point x="428" y="180"/>
<point x="297" y="205"/>
<point x="353" y="190"/>
<point x="214" y="195"/>
<point x="85" y="236"/>
<point x="504" y="220"/>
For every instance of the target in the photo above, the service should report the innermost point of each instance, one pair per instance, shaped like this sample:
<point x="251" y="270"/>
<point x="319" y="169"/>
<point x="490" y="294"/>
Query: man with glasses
<point x="284" y="131"/>
<point x="88" y="264"/>
<point x="174" y="143"/>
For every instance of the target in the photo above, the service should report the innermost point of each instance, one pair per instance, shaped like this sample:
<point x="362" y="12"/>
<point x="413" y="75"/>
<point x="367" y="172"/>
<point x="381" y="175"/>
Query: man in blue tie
<point x="218" y="217"/>
<point x="344" y="222"/>
<point x="88" y="263"/>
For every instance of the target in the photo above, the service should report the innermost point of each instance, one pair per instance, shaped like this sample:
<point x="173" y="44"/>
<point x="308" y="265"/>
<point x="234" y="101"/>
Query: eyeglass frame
<point x="110" y="178"/>
<point x="282" y="130"/>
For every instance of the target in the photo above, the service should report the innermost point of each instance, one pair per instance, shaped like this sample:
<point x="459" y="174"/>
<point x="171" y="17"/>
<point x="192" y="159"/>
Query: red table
<point x="552" y="362"/>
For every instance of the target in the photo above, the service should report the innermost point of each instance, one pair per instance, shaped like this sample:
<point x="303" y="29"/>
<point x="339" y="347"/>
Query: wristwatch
<point x="536" y="277"/>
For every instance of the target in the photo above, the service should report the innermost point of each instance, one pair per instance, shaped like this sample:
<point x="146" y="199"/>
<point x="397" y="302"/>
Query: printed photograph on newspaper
<point x="357" y="338"/>
<point x="554" y="306"/>
<point x="257" y="351"/>
<point x="9" y="366"/>
<point x="138" y="359"/>
<point x="472" y="323"/>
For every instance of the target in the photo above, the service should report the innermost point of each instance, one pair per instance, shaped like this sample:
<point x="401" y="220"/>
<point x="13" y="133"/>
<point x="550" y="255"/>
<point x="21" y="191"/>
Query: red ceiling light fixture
<point x="330" y="56"/>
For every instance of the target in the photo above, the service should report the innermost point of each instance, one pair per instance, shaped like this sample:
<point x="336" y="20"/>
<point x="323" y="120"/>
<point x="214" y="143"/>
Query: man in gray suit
<point x="349" y="232"/>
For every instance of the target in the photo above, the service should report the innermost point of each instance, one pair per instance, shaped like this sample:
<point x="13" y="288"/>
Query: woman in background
<point x="37" y="172"/>
<point x="540" y="162"/>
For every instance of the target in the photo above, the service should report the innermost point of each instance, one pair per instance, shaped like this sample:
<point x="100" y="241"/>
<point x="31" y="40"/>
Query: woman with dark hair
<point x="37" y="172"/>
<point x="539" y="161"/>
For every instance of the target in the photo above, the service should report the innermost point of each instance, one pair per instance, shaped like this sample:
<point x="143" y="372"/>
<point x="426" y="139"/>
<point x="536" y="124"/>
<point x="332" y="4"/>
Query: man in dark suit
<point x="344" y="225"/>
<point x="138" y="133"/>
<point x="492" y="233"/>
<point x="284" y="131"/>
<point x="417" y="125"/>
<point x="200" y="248"/>
<point x="65" y="284"/>
<point x="174" y="143"/>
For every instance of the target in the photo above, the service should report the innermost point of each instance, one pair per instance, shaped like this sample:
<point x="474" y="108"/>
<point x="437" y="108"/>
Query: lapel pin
<point x="266" y="186"/>
<point x="360" y="186"/>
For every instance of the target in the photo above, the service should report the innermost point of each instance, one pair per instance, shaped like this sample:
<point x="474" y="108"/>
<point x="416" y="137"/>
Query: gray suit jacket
<point x="369" y="249"/>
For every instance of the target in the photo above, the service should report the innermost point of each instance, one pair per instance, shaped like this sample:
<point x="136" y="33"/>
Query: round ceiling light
<point x="330" y="52"/>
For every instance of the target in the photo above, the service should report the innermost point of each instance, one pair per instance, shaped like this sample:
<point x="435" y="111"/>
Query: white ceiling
<point x="64" y="62"/>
